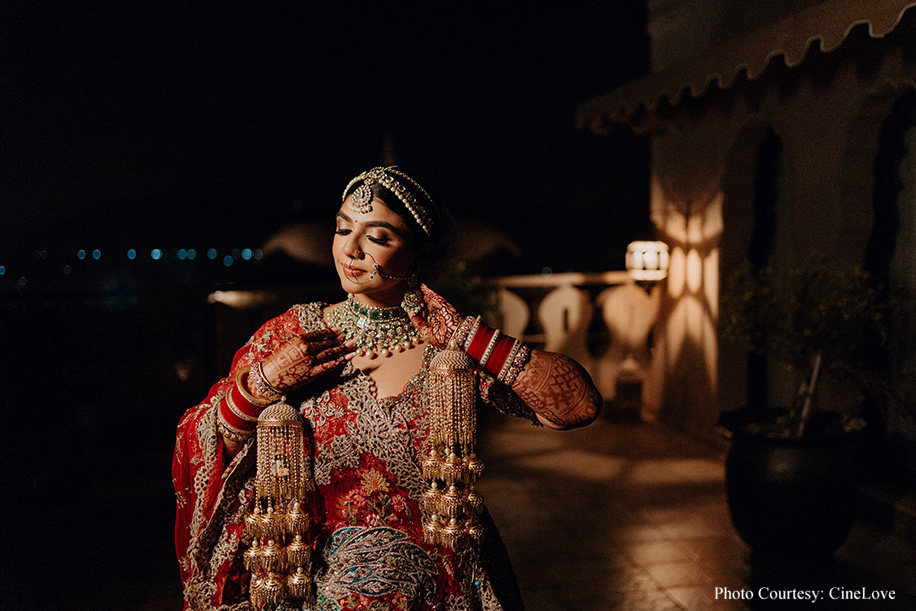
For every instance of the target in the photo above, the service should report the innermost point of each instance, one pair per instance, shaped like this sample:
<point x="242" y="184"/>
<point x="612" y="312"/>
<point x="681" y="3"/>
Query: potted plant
<point x="791" y="470"/>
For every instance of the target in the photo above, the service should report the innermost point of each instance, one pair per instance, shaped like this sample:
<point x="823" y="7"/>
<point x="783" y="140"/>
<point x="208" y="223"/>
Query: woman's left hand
<point x="438" y="320"/>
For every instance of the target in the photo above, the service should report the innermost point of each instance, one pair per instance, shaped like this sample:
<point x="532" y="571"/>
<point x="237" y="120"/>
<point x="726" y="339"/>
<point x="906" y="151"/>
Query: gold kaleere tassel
<point x="432" y="498"/>
<point x="474" y="529"/>
<point x="450" y="504"/>
<point x="271" y="522"/>
<point x="271" y="557"/>
<point x="298" y="552"/>
<point x="297" y="521"/>
<point x="431" y="462"/>
<point x="431" y="528"/>
<point x="279" y="558"/>
<point x="298" y="584"/>
<point x="453" y="502"/>
<point x="267" y="591"/>
<point x="253" y="524"/>
<point x="251" y="557"/>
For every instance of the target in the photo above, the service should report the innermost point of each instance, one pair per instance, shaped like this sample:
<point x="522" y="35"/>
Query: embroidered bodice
<point x="366" y="456"/>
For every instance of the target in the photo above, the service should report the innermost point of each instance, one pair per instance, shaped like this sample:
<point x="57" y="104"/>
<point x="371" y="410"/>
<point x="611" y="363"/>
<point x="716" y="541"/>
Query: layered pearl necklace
<point x="376" y="331"/>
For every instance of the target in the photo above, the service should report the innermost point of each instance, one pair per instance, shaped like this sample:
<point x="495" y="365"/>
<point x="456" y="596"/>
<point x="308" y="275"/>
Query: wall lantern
<point x="647" y="261"/>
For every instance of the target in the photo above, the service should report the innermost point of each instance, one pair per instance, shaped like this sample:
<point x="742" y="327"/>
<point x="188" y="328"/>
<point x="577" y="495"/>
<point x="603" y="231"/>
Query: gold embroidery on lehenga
<point x="393" y="430"/>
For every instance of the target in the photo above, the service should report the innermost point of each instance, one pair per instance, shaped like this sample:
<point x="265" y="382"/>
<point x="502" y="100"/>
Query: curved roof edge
<point x="829" y="23"/>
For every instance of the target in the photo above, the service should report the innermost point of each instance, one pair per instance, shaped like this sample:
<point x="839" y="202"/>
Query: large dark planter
<point x="792" y="498"/>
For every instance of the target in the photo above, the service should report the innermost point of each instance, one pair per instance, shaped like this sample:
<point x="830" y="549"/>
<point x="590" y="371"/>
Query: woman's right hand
<point x="305" y="357"/>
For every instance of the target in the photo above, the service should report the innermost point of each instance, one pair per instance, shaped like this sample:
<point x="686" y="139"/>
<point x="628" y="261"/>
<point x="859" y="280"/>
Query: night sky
<point x="140" y="125"/>
<point x="143" y="126"/>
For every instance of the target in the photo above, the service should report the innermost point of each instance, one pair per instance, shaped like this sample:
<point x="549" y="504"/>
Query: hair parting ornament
<point x="362" y="197"/>
<point x="394" y="180"/>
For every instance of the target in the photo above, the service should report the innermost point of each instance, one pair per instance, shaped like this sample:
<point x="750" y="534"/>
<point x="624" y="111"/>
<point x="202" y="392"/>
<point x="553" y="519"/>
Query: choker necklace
<point x="376" y="331"/>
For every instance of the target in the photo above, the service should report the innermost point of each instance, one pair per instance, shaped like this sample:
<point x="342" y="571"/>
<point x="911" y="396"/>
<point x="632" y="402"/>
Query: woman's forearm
<point x="555" y="387"/>
<point x="232" y="448"/>
<point x="558" y="390"/>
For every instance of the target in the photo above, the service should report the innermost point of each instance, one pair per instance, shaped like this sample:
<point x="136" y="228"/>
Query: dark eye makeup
<point x="380" y="240"/>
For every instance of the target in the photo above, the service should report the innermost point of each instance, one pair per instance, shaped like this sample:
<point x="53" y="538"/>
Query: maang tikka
<point x="361" y="200"/>
<point x="279" y="558"/>
<point x="388" y="177"/>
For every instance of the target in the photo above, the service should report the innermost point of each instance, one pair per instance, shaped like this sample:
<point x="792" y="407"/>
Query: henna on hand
<point x="558" y="390"/>
<point x="555" y="387"/>
<point x="441" y="319"/>
<point x="305" y="357"/>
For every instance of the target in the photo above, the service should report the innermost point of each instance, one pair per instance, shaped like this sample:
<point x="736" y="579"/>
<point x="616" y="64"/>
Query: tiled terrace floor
<point x="633" y="516"/>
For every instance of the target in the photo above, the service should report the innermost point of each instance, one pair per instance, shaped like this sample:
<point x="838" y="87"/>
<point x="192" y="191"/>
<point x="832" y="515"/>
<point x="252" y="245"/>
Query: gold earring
<point x="412" y="303"/>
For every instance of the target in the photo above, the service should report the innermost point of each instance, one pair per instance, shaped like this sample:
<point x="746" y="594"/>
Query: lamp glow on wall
<point x="647" y="261"/>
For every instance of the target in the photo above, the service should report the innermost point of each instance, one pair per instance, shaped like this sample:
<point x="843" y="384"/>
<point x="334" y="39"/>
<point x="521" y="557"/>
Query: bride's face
<point x="364" y="239"/>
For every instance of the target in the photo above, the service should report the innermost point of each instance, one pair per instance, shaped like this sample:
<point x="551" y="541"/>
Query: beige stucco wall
<point x="827" y="114"/>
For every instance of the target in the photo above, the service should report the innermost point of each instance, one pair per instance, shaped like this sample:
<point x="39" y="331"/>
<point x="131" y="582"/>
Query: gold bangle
<point x="471" y="334"/>
<point x="518" y="363"/>
<point x="260" y="382"/>
<point x="509" y="360"/>
<point x="240" y="384"/>
<point x="461" y="333"/>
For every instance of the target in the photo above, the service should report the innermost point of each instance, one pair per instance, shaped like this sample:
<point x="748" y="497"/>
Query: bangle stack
<point x="514" y="364"/>
<point x="499" y="355"/>
<point x="463" y="330"/>
<point x="261" y="385"/>
<point x="239" y="410"/>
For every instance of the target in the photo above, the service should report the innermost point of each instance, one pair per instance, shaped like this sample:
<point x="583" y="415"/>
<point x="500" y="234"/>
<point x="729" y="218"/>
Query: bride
<point x="358" y="374"/>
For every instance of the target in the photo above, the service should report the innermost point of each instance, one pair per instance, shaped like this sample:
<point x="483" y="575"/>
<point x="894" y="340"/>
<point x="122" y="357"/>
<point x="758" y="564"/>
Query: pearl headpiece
<point x="362" y="196"/>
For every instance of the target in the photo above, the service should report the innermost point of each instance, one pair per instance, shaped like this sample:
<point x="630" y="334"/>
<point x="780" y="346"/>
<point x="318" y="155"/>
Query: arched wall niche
<point x="819" y="126"/>
<point x="754" y="217"/>
<point x="868" y="189"/>
<point x="890" y="257"/>
<point x="892" y="190"/>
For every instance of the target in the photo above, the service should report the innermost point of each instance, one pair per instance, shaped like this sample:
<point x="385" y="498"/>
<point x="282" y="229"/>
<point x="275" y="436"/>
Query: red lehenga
<point x="367" y="469"/>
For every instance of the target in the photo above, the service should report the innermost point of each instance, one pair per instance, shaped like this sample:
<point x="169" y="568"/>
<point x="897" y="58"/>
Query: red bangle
<point x="239" y="410"/>
<point x="236" y="408"/>
<point x="233" y="421"/>
<point x="479" y="342"/>
<point x="499" y="355"/>
<point x="241" y="401"/>
<point x="490" y="349"/>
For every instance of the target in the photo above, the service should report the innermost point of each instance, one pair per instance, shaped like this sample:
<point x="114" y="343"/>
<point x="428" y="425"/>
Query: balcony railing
<point x="603" y="320"/>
